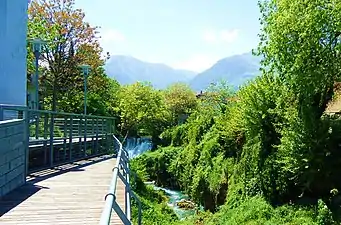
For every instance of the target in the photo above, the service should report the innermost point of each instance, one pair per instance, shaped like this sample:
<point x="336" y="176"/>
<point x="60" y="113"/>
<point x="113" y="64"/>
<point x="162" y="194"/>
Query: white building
<point x="13" y="28"/>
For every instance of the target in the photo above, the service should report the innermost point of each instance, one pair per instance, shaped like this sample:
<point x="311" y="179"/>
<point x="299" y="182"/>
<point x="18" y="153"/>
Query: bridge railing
<point x="56" y="138"/>
<point x="120" y="171"/>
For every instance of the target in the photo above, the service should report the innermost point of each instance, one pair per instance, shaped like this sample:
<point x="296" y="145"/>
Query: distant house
<point x="203" y="95"/>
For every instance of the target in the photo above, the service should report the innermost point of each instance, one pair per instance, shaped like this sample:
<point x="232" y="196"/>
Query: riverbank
<point x="174" y="197"/>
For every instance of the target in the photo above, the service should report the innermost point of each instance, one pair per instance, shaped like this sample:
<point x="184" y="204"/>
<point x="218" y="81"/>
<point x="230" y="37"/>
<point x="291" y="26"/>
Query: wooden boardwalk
<point x="69" y="194"/>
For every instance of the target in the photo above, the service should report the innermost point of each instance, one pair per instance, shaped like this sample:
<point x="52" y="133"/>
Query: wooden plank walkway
<point x="69" y="194"/>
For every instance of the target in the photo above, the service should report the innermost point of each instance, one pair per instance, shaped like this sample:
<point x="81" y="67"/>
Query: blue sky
<point x="184" y="34"/>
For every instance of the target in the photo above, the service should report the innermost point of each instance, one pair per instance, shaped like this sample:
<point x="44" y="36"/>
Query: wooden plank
<point x="73" y="197"/>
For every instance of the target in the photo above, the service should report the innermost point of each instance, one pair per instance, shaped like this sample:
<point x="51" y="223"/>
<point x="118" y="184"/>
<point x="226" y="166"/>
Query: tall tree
<point x="70" y="42"/>
<point x="300" y="42"/>
<point x="141" y="107"/>
<point x="180" y="100"/>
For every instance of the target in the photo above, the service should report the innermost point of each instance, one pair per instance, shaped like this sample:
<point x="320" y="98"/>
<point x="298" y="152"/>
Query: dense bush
<point x="267" y="154"/>
<point x="259" y="146"/>
<point x="156" y="166"/>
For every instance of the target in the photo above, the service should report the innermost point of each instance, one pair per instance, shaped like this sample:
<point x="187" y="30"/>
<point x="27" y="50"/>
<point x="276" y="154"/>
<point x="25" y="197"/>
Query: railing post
<point x="51" y="139"/>
<point x="46" y="123"/>
<point x="103" y="134"/>
<point x="70" y="137"/>
<point x="65" y="137"/>
<point x="107" y="135"/>
<point x="1" y="113"/>
<point x="80" y="136"/>
<point x="85" y="130"/>
<point x="92" y="137"/>
<point x="96" y="150"/>
<point x="122" y="162"/>
<point x="37" y="126"/>
<point x="27" y="140"/>
<point x="127" y="189"/>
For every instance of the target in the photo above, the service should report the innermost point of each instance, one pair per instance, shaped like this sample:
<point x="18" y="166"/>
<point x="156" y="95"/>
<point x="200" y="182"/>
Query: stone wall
<point x="12" y="155"/>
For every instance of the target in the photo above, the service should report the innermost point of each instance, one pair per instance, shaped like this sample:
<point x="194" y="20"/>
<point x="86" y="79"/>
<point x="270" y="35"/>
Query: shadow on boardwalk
<point x="19" y="195"/>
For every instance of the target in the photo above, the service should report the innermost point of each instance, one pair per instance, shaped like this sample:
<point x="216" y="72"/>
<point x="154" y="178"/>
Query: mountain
<point x="234" y="69"/>
<point x="128" y="70"/>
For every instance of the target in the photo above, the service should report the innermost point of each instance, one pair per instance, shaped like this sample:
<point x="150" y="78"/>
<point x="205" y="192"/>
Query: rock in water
<point x="185" y="204"/>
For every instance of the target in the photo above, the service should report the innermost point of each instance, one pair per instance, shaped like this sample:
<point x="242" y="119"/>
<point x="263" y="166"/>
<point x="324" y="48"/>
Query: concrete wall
<point x="13" y="27"/>
<point x="12" y="155"/>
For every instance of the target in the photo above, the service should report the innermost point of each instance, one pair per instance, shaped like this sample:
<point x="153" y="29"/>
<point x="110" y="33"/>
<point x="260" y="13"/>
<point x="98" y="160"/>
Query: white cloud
<point x="228" y="36"/>
<point x="196" y="63"/>
<point x="210" y="36"/>
<point x="112" y="36"/>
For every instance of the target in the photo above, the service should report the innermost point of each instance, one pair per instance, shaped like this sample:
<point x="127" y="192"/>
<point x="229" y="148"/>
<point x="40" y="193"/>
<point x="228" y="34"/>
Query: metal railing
<point x="121" y="171"/>
<point x="55" y="138"/>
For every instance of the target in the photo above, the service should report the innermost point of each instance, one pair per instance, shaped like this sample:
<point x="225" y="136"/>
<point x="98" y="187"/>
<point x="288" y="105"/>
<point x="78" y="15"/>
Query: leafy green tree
<point x="141" y="108"/>
<point x="300" y="42"/>
<point x="180" y="100"/>
<point x="70" y="42"/>
<point x="219" y="95"/>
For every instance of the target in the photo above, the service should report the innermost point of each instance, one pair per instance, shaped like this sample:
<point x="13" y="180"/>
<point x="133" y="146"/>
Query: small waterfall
<point x="137" y="146"/>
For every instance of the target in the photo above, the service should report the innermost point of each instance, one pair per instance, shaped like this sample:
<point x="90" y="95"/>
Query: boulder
<point x="185" y="204"/>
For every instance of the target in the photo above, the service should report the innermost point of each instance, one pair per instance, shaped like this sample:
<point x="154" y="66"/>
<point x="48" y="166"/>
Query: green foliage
<point x="257" y="211"/>
<point x="180" y="100"/>
<point x="305" y="54"/>
<point x="159" y="166"/>
<point x="324" y="214"/>
<point x="142" y="107"/>
<point x="103" y="96"/>
<point x="219" y="95"/>
<point x="69" y="42"/>
<point x="263" y="155"/>
<point x="154" y="204"/>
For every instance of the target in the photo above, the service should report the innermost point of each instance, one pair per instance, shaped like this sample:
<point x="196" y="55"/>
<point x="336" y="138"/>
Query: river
<point x="137" y="146"/>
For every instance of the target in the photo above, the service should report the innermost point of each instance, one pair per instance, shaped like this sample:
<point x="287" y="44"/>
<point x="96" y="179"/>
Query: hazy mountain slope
<point x="128" y="70"/>
<point x="235" y="70"/>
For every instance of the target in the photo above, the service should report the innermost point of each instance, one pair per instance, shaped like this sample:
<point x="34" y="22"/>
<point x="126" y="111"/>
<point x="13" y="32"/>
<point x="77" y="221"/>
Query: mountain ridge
<point x="234" y="69"/>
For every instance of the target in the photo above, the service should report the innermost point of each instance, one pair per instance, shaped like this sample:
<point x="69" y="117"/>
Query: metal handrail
<point x="48" y="141"/>
<point x="18" y="107"/>
<point x="122" y="164"/>
<point x="55" y="138"/>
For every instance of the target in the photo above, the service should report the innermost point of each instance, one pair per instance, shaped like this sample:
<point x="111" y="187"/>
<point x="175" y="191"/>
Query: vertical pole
<point x="65" y="137"/>
<point x="107" y="125"/>
<point x="128" y="202"/>
<point x="85" y="131"/>
<point x="37" y="126"/>
<point x="70" y="138"/>
<point x="85" y="90"/>
<point x="1" y="113"/>
<point x="103" y="133"/>
<point x="96" y="147"/>
<point x="27" y="141"/>
<point x="46" y="123"/>
<point x="51" y="139"/>
<point x="36" y="80"/>
<point x="92" y="136"/>
<point x="85" y="118"/>
<point x="80" y="137"/>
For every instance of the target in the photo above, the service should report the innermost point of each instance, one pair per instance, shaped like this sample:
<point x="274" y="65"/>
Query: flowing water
<point x="137" y="146"/>
<point x="174" y="197"/>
